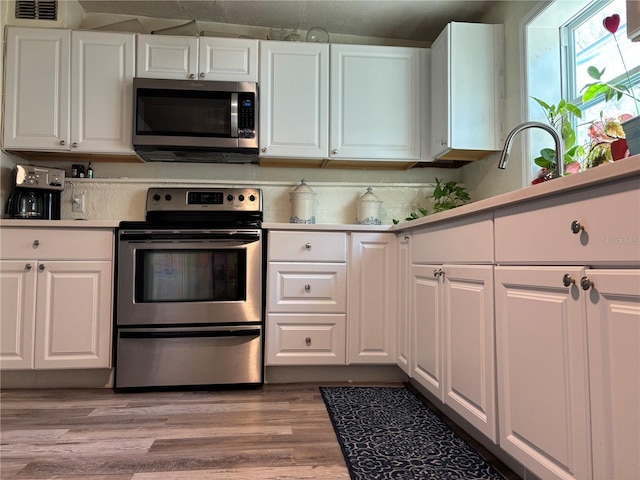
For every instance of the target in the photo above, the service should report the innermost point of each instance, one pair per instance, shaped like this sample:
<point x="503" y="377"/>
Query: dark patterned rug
<point x="388" y="433"/>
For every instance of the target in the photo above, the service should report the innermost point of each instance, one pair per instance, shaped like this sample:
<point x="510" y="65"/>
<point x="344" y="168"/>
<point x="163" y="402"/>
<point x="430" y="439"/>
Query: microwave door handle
<point x="234" y="115"/>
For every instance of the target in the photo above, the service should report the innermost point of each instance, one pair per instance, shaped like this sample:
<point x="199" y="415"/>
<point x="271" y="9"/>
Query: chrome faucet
<point x="504" y="157"/>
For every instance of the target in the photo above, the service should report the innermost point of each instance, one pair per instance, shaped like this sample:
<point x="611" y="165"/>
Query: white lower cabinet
<point x="453" y="339"/>
<point x="372" y="298"/>
<point x="542" y="366"/>
<point x="613" y="331"/>
<point x="314" y="315"/>
<point x="306" y="298"/>
<point x="56" y="312"/>
<point x="403" y="289"/>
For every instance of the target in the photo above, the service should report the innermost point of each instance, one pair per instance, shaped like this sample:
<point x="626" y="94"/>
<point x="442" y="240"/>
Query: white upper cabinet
<point x="102" y="67"/>
<point x="294" y="100"/>
<point x="68" y="90"/>
<point x="375" y="102"/>
<point x="204" y="58"/>
<point x="37" y="82"/>
<point x="466" y="72"/>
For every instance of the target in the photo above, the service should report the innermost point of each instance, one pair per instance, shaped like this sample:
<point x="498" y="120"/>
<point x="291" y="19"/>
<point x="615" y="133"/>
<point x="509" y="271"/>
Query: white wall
<point x="484" y="179"/>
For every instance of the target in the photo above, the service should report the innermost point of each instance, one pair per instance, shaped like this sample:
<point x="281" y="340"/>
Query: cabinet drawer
<point x="305" y="340"/>
<point x="307" y="246"/>
<point x="540" y="232"/>
<point x="468" y="240"/>
<point x="56" y="244"/>
<point x="304" y="287"/>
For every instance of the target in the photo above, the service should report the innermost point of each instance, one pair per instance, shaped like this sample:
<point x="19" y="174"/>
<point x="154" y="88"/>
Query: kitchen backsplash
<point x="122" y="199"/>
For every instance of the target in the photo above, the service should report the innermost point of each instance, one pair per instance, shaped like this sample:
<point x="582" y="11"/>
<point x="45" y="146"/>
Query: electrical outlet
<point x="78" y="203"/>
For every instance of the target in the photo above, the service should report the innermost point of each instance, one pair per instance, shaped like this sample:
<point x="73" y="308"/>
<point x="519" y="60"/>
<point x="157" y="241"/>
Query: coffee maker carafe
<point x="36" y="193"/>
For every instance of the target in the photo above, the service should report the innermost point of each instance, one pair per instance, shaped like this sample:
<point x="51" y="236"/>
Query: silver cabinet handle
<point x="74" y="145"/>
<point x="406" y="237"/>
<point x="307" y="288"/>
<point x="264" y="149"/>
<point x="191" y="76"/>
<point x="308" y="341"/>
<point x="62" y="142"/>
<point x="27" y="267"/>
<point x="334" y="151"/>
<point x="41" y="267"/>
<point x="438" y="272"/>
<point x="576" y="227"/>
<point x="35" y="244"/>
<point x="443" y="142"/>
<point x="307" y="246"/>
<point x="586" y="283"/>
<point x="567" y="280"/>
<point x="201" y="74"/>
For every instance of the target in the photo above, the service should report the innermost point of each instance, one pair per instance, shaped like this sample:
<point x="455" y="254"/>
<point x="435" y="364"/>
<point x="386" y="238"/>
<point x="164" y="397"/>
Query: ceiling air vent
<point x="37" y="9"/>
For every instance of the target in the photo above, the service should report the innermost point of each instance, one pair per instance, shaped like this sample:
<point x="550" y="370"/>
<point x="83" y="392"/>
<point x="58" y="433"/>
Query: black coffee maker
<point x="36" y="193"/>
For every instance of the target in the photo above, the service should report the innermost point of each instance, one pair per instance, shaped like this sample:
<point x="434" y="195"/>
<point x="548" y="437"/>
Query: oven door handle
<point x="187" y="236"/>
<point x="254" y="332"/>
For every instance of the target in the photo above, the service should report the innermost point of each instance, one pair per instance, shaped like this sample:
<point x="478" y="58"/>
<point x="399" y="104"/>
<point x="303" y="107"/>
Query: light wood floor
<point x="276" y="432"/>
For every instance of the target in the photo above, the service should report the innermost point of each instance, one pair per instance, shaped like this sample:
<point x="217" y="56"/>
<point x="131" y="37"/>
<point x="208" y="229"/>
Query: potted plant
<point x="445" y="196"/>
<point x="559" y="117"/>
<point x="630" y="127"/>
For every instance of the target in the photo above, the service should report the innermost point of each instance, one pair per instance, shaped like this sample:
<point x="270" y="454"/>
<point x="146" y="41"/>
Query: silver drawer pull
<point x="308" y="341"/>
<point x="586" y="283"/>
<point x="576" y="227"/>
<point x="307" y="288"/>
<point x="35" y="244"/>
<point x="567" y="280"/>
<point x="41" y="267"/>
<point x="308" y="246"/>
<point x="27" y="267"/>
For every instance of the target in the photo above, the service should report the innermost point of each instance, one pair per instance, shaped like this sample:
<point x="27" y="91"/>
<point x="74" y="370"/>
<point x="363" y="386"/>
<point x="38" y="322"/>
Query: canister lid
<point x="302" y="188"/>
<point x="369" y="196"/>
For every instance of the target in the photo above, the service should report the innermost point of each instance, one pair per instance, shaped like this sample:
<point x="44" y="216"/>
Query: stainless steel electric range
<point x="189" y="304"/>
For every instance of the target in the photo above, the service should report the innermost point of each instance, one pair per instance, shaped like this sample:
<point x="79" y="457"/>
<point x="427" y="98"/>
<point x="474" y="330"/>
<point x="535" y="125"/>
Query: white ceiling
<point x="414" y="20"/>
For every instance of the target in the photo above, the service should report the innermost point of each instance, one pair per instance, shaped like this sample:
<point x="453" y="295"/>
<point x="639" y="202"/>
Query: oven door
<point x="178" y="277"/>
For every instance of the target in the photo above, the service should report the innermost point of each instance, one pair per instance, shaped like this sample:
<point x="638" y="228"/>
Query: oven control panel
<point x="208" y="199"/>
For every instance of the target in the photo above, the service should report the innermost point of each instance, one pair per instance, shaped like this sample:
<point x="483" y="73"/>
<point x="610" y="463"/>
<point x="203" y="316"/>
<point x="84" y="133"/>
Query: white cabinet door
<point x="203" y="58"/>
<point x="469" y="345"/>
<point x="73" y="315"/>
<point x="36" y="111"/>
<point x="613" y="324"/>
<point x="375" y="102"/>
<point x="542" y="367"/>
<point x="17" y="313"/>
<point x="167" y="56"/>
<point x="372" y="298"/>
<point x="102" y="69"/>
<point x="465" y="73"/>
<point x="403" y="330"/>
<point x="294" y="100"/>
<point x="426" y="346"/>
<point x="228" y="59"/>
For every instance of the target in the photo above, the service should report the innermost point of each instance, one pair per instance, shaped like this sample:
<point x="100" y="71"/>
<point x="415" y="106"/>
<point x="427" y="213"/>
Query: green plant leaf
<point x="595" y="73"/>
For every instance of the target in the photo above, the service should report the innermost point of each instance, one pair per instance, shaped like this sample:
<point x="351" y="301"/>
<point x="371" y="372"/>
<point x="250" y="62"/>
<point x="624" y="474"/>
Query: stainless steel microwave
<point x="195" y="120"/>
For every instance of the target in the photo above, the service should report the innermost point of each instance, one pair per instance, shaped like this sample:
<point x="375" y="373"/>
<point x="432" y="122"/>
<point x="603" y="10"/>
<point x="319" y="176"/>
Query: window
<point x="587" y="43"/>
<point x="563" y="39"/>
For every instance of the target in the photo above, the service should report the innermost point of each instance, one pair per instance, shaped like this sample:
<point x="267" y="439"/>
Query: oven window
<point x="190" y="275"/>
<point x="183" y="113"/>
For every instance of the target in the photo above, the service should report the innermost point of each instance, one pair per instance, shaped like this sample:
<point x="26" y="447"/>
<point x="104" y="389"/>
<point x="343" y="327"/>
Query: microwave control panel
<point x="246" y="115"/>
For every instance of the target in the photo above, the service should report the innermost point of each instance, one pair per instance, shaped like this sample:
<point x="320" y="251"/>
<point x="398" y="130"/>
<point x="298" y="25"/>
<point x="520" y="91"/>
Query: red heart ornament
<point x="612" y="23"/>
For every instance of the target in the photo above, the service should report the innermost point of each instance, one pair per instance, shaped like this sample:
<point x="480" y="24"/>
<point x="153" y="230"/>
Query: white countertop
<point x="6" y="222"/>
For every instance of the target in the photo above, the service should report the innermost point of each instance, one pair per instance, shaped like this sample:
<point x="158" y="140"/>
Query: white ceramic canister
<point x="302" y="200"/>
<point x="368" y="211"/>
